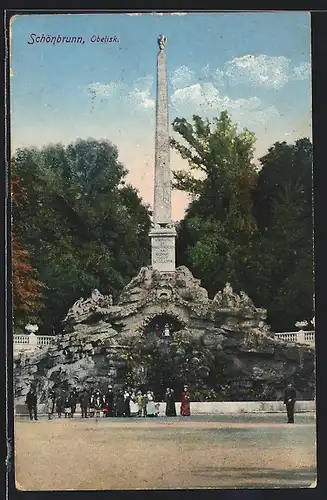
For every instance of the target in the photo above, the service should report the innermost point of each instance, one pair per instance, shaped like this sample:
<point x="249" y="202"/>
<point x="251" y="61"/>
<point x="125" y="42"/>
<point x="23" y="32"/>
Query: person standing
<point x="67" y="406"/>
<point x="91" y="402"/>
<point x="84" y="401"/>
<point x="289" y="401"/>
<point x="185" y="402"/>
<point x="120" y="404"/>
<point x="73" y="398"/>
<point x="50" y="404"/>
<point x="133" y="404"/>
<point x="139" y="400"/>
<point x="98" y="403"/>
<point x="127" y="399"/>
<point x="150" y="407"/>
<point x="170" y="403"/>
<point x="144" y="404"/>
<point x="109" y="402"/>
<point x="60" y="404"/>
<point x="31" y="402"/>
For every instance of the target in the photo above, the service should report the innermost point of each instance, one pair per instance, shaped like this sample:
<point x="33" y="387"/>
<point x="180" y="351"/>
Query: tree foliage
<point x="282" y="256"/>
<point x="26" y="288"/>
<point x="249" y="227"/>
<point x="83" y="225"/>
<point x="219" y="223"/>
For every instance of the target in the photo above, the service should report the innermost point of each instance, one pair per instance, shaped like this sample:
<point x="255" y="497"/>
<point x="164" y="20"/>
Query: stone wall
<point x="218" y="408"/>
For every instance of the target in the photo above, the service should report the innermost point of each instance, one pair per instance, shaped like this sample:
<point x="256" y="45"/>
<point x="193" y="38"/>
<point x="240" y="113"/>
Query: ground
<point x="222" y="451"/>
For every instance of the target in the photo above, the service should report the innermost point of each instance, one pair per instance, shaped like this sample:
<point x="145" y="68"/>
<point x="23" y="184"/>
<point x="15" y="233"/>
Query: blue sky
<point x="254" y="65"/>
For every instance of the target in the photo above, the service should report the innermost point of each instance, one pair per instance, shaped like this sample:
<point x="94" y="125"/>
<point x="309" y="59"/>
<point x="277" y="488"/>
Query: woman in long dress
<point x="133" y="406"/>
<point x="170" y="403"/>
<point x="185" y="403"/>
<point x="150" y="407"/>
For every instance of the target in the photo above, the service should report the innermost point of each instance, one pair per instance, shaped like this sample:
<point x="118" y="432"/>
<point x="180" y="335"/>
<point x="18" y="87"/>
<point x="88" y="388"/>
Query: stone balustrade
<point x="24" y="343"/>
<point x="27" y="343"/>
<point x="299" y="337"/>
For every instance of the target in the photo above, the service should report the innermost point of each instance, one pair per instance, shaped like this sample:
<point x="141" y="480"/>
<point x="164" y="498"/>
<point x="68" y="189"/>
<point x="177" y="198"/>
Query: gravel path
<point x="164" y="454"/>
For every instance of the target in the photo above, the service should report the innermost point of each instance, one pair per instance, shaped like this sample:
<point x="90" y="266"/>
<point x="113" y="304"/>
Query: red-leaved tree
<point x="26" y="288"/>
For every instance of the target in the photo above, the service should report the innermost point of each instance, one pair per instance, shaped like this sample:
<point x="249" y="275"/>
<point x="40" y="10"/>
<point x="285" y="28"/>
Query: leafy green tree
<point x="82" y="224"/>
<point x="217" y="228"/>
<point x="251" y="228"/>
<point x="282" y="255"/>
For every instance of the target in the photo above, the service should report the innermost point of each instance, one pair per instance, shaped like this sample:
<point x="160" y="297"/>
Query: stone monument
<point x="163" y="233"/>
<point x="233" y="349"/>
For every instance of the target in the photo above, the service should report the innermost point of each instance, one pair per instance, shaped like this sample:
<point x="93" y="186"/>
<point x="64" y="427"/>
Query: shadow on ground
<point x="260" y="478"/>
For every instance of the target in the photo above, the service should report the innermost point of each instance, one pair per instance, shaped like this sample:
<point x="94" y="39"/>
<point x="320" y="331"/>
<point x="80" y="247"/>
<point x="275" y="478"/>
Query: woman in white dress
<point x="150" y="407"/>
<point x="134" y="408"/>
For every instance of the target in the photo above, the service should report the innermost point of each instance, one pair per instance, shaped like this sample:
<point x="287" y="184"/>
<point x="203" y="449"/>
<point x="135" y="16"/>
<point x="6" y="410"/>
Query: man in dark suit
<point x="84" y="401"/>
<point x="31" y="402"/>
<point x="289" y="401"/>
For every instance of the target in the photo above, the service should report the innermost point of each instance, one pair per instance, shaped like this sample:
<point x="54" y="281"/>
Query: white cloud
<point x="204" y="97"/>
<point x="141" y="92"/>
<point x="301" y="72"/>
<point x="181" y="77"/>
<point x="103" y="90"/>
<point x="207" y="98"/>
<point x="262" y="70"/>
<point x="218" y="77"/>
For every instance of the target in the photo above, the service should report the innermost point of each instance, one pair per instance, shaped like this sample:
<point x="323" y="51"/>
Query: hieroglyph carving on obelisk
<point x="163" y="234"/>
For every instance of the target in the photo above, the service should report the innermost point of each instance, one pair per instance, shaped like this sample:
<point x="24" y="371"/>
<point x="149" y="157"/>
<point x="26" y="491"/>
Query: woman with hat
<point x="185" y="402"/>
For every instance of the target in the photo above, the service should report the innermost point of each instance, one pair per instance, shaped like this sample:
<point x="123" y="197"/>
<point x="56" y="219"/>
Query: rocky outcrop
<point x="222" y="345"/>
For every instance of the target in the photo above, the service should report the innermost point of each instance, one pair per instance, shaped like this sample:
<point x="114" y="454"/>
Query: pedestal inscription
<point x="163" y="252"/>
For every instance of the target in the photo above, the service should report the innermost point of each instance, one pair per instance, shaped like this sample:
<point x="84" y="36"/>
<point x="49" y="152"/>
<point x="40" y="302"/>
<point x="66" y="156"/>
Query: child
<point x="67" y="407"/>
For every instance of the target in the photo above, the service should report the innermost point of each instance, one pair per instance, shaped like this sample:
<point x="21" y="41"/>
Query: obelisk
<point x="163" y="234"/>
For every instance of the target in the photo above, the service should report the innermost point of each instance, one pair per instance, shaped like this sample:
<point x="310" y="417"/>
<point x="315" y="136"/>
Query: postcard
<point x="162" y="256"/>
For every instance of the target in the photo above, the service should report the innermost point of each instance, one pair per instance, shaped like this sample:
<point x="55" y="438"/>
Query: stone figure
<point x="229" y="297"/>
<point x="228" y="290"/>
<point x="301" y="324"/>
<point x="162" y="40"/>
<point x="245" y="299"/>
<point x="166" y="330"/>
<point x="218" y="298"/>
<point x="82" y="309"/>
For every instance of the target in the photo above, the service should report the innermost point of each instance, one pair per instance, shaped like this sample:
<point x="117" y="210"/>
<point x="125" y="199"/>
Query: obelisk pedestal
<point x="163" y="234"/>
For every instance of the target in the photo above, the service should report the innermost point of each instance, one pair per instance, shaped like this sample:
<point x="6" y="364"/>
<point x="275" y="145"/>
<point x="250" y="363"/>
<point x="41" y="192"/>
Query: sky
<point x="254" y="65"/>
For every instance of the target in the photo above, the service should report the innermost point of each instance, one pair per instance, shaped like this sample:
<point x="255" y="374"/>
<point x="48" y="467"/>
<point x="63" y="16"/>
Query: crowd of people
<point x="125" y="403"/>
<point x="95" y="403"/>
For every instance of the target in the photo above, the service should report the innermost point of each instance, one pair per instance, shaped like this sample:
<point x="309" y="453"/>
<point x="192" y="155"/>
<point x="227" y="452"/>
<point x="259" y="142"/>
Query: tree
<point x="282" y="256"/>
<point x="25" y="287"/>
<point x="84" y="226"/>
<point x="253" y="229"/>
<point x="217" y="228"/>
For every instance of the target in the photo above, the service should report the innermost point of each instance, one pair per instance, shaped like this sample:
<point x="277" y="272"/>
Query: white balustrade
<point x="29" y="343"/>
<point x="300" y="337"/>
